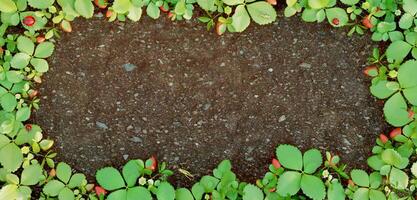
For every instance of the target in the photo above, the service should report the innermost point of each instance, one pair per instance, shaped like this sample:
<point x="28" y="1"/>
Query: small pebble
<point x="101" y="125"/>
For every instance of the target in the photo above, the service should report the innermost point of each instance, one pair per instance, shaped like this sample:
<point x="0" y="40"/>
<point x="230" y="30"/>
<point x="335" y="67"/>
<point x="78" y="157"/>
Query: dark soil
<point x="118" y="91"/>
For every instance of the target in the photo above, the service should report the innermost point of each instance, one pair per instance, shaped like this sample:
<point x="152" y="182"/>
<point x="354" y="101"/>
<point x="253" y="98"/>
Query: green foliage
<point x="27" y="162"/>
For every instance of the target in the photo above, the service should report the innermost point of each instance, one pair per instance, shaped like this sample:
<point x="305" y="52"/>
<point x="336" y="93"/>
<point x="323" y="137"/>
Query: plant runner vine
<point x="27" y="162"/>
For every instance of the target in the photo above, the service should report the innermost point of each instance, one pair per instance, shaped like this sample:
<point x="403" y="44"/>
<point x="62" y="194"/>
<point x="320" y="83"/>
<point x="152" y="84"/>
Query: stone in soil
<point x="119" y="91"/>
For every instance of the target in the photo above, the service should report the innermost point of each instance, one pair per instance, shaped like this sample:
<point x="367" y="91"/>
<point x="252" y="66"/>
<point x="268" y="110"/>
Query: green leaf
<point x="165" y="191"/>
<point x="233" y="2"/>
<point x="392" y="157"/>
<point x="109" y="178"/>
<point x="379" y="89"/>
<point x="40" y="65"/>
<point x="198" y="191"/>
<point x="84" y="7"/>
<point x="180" y="7"/>
<point x="398" y="50"/>
<point x="375" y="162"/>
<point x="23" y="114"/>
<point x="209" y="183"/>
<point x="318" y="4"/>
<point x="361" y="194"/>
<point x="76" y="180"/>
<point x="66" y="194"/>
<point x="122" y="6"/>
<point x="406" y="21"/>
<point x="183" y="194"/>
<point x="153" y="11"/>
<point x="337" y="13"/>
<point x="63" y="172"/>
<point x="312" y="160"/>
<point x="407" y="74"/>
<point x="398" y="179"/>
<point x="376" y="195"/>
<point x="410" y="6"/>
<point x="375" y="180"/>
<point x="336" y="191"/>
<point x="44" y="50"/>
<point x="8" y="102"/>
<point x="31" y="174"/>
<point x="313" y="187"/>
<point x="41" y="4"/>
<point x="135" y="13"/>
<point x="7" y="6"/>
<point x="20" y="60"/>
<point x="138" y="193"/>
<point x="289" y="183"/>
<point x="9" y="191"/>
<point x="252" y="192"/>
<point x="360" y="177"/>
<point x="290" y="157"/>
<point x="206" y="4"/>
<point x="240" y="19"/>
<point x="53" y="187"/>
<point x="262" y="12"/>
<point x="14" y="76"/>
<point x="25" y="45"/>
<point x="350" y="2"/>
<point x="131" y="172"/>
<point x="117" y="195"/>
<point x="395" y="111"/>
<point x="309" y="15"/>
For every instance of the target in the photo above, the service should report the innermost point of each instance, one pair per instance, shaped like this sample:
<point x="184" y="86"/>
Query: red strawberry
<point x="40" y="39"/>
<point x="366" y="21"/>
<point x="272" y="2"/>
<point x="28" y="127"/>
<point x="33" y="94"/>
<point x="109" y="13"/>
<point x="102" y="6"/>
<point x="1" y="51"/>
<point x="336" y="21"/>
<point x="411" y="114"/>
<point x="276" y="163"/>
<point x="154" y="163"/>
<point x="383" y="138"/>
<point x="29" y="21"/>
<point x="395" y="132"/>
<point x="100" y="191"/>
<point x="170" y="15"/>
<point x="371" y="70"/>
<point x="163" y="9"/>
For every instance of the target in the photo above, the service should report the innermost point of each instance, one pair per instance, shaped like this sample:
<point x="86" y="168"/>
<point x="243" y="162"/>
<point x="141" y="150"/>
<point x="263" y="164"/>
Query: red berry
<point x="383" y="138"/>
<point x="272" y="2"/>
<point x="170" y="15"/>
<point x="28" y="127"/>
<point x="163" y="9"/>
<point x="154" y="164"/>
<point x="371" y="70"/>
<point x="29" y="21"/>
<point x="395" y="132"/>
<point x="100" y="191"/>
<point x="102" y="6"/>
<point x="1" y="51"/>
<point x="410" y="114"/>
<point x="109" y="13"/>
<point x="366" y="21"/>
<point x="40" y="39"/>
<point x="276" y="163"/>
<point x="336" y="21"/>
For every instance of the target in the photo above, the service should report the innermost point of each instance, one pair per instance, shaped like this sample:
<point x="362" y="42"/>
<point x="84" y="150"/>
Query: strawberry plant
<point x="27" y="161"/>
